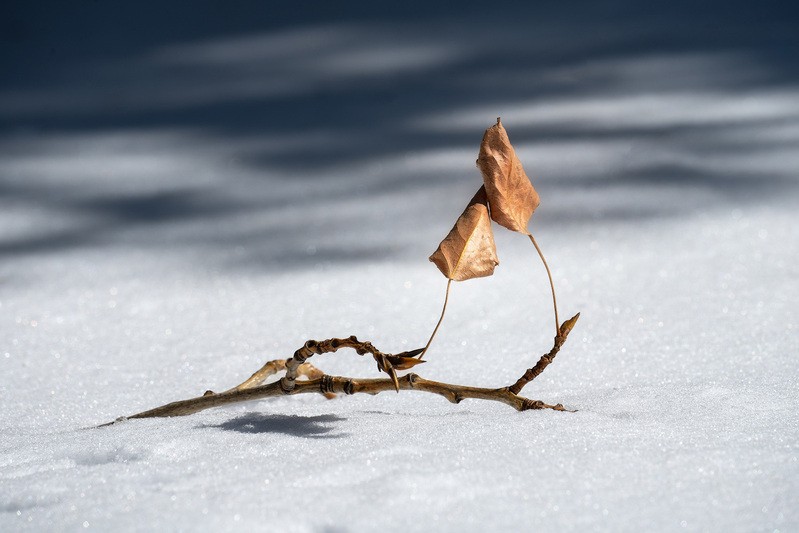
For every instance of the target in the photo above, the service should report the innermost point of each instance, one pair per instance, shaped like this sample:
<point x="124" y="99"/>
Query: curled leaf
<point x="468" y="251"/>
<point x="410" y="353"/>
<point x="510" y="194"/>
<point x="403" y="363"/>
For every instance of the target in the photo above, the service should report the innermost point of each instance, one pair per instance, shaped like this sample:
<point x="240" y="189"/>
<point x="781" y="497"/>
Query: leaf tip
<point x="468" y="251"/>
<point x="411" y="353"/>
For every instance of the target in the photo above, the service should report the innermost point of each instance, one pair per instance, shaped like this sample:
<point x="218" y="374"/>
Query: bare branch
<point x="321" y="383"/>
<point x="547" y="358"/>
<point x="334" y="384"/>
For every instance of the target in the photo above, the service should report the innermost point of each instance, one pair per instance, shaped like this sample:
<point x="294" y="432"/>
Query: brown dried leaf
<point x="410" y="353"/>
<point x="468" y="251"/>
<point x="403" y="363"/>
<point x="510" y="194"/>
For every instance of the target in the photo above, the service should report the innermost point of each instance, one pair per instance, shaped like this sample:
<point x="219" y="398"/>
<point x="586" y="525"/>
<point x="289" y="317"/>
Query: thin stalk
<point x="551" y="284"/>
<point x="441" y="318"/>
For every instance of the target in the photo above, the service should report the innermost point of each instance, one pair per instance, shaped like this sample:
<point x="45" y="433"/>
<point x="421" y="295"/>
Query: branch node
<point x="532" y="404"/>
<point x="326" y="384"/>
<point x="545" y="360"/>
<point x="287" y="385"/>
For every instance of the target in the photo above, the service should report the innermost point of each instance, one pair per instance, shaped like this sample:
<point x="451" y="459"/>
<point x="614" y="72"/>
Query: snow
<point x="147" y="255"/>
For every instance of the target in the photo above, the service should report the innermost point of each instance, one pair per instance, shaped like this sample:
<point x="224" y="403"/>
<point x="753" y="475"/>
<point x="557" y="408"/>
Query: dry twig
<point x="321" y="383"/>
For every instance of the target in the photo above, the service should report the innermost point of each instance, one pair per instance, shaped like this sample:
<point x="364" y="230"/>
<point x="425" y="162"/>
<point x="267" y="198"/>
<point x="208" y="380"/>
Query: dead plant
<point x="507" y="196"/>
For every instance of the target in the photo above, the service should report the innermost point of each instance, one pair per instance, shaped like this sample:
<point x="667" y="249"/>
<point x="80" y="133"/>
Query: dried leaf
<point x="410" y="353"/>
<point x="468" y="251"/>
<point x="510" y="194"/>
<point x="403" y="363"/>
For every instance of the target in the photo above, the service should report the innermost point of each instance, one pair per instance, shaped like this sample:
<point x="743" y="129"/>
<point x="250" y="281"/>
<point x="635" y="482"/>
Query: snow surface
<point x="145" y="262"/>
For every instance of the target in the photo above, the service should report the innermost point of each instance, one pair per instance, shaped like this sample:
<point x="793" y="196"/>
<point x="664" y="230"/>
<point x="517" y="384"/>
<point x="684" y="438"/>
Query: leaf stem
<point x="441" y="318"/>
<point x="551" y="283"/>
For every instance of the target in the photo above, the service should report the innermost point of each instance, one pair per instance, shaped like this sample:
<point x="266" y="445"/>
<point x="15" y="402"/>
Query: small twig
<point x="387" y="363"/>
<point x="261" y="375"/>
<point x="335" y="384"/>
<point x="547" y="358"/>
<point x="320" y="383"/>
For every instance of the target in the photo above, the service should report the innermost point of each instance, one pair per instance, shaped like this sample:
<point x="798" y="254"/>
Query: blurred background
<point x="190" y="188"/>
<point x="274" y="135"/>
